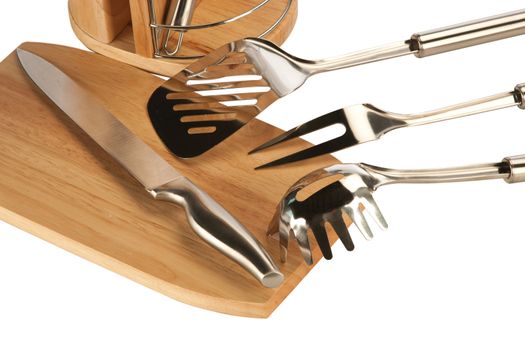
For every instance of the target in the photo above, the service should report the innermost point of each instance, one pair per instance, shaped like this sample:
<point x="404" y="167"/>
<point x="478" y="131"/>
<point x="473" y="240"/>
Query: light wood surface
<point x="103" y="20"/>
<point x="140" y="21"/>
<point x="57" y="184"/>
<point x="133" y="45"/>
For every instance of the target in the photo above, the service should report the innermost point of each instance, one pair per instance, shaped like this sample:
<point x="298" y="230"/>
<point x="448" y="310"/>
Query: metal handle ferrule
<point x="519" y="91"/>
<point x="517" y="169"/>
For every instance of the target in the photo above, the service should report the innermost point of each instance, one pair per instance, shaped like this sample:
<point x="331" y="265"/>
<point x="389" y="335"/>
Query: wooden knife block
<point x="120" y="29"/>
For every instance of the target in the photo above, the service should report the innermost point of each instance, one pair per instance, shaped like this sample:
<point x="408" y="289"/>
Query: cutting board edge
<point x="186" y="296"/>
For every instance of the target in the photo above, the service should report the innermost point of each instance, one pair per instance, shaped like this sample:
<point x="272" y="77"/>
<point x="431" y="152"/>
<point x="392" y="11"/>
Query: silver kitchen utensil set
<point x="215" y="96"/>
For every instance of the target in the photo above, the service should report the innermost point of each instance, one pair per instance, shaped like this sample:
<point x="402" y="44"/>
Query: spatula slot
<point x="202" y="130"/>
<point x="207" y="117"/>
<point x="239" y="103"/>
<point x="221" y="72"/>
<point x="198" y="96"/>
<point x="235" y="91"/>
<point x="237" y="58"/>
<point x="229" y="85"/>
<point x="217" y="106"/>
<point x="227" y="68"/>
<point x="224" y="79"/>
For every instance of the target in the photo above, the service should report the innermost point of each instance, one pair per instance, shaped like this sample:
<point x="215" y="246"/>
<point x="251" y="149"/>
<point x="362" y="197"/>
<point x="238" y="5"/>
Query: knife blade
<point x="208" y="219"/>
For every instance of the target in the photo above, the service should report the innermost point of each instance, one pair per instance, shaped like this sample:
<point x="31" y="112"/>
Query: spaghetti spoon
<point x="295" y="217"/>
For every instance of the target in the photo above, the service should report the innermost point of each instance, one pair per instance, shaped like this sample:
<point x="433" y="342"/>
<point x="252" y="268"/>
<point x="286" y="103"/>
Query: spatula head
<point x="215" y="96"/>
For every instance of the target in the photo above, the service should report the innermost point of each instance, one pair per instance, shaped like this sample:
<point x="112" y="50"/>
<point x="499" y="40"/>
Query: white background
<point x="449" y="273"/>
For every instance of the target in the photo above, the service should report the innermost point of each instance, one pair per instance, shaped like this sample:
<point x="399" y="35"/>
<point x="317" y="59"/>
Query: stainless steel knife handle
<point x="467" y="34"/>
<point x="219" y="229"/>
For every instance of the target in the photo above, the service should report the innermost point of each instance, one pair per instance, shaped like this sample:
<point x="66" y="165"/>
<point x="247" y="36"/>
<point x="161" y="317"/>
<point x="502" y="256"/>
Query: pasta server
<point x="365" y="122"/>
<point x="347" y="197"/>
<point x="215" y="96"/>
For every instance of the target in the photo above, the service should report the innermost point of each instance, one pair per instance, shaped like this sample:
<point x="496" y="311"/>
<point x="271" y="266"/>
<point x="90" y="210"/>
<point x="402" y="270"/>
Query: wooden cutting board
<point x="56" y="183"/>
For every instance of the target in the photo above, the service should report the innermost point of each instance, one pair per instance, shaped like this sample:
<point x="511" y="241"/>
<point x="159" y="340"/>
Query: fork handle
<point x="481" y="105"/>
<point x="467" y="34"/>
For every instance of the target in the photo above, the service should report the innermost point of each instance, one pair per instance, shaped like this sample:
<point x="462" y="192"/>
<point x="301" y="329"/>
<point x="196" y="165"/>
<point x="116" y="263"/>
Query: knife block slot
<point x="131" y="31"/>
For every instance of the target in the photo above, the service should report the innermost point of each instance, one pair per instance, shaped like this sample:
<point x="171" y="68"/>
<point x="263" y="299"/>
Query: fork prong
<point x="319" y="232"/>
<point x="336" y="117"/>
<point x="339" y="226"/>
<point x="290" y="134"/>
<point x="373" y="209"/>
<point x="360" y="221"/>
<point x="333" y="145"/>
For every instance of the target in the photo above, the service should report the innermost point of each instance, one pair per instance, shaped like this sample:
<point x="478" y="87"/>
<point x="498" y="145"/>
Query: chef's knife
<point x="208" y="219"/>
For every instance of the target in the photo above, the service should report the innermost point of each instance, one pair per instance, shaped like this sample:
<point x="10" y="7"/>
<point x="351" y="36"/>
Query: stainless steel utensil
<point x="215" y="96"/>
<point x="364" y="123"/>
<point x="180" y="13"/>
<point x="352" y="192"/>
<point x="208" y="219"/>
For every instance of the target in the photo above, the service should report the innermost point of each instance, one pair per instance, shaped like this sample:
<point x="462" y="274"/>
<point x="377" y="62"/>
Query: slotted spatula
<point x="215" y="96"/>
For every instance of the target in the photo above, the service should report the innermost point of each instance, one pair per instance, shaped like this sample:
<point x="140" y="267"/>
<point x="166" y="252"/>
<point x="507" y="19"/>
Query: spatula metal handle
<point x="467" y="34"/>
<point x="432" y="42"/>
<point x="219" y="229"/>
